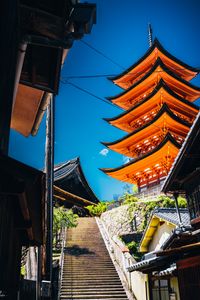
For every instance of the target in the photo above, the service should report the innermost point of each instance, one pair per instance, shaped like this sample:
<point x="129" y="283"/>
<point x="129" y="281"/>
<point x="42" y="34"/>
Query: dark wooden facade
<point x="21" y="215"/>
<point x="189" y="278"/>
<point x="185" y="178"/>
<point x="35" y="36"/>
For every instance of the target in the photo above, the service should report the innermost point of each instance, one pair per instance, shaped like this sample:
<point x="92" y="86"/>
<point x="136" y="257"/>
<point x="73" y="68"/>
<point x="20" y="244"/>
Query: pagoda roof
<point x="156" y="161"/>
<point x="147" y="83"/>
<point x="174" y="124"/>
<point x="151" y="101"/>
<point x="144" y="64"/>
<point x="69" y="177"/>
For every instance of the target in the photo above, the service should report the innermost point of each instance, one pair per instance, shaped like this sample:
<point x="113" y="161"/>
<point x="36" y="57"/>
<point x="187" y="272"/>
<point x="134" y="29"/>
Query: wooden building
<point x="158" y="113"/>
<point x="162" y="232"/>
<point x="184" y="177"/>
<point x="71" y="188"/>
<point x="35" y="38"/>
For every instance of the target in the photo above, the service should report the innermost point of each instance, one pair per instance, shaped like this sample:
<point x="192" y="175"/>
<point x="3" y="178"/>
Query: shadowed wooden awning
<point x="70" y="199"/>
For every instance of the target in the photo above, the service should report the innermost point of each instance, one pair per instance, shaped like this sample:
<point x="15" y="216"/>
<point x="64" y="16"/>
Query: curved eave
<point x="164" y="109"/>
<point x="71" y="164"/>
<point x="75" y="167"/>
<point x="156" y="90"/>
<point x="168" y="139"/>
<point x="157" y="64"/>
<point x="156" y="44"/>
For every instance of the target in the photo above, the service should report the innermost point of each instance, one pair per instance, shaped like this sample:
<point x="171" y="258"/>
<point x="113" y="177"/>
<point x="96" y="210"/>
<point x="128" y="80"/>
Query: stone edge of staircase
<point x="107" y="240"/>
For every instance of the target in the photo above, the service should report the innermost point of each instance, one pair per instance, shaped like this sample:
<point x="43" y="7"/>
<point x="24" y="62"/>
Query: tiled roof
<point x="69" y="176"/>
<point x="170" y="215"/>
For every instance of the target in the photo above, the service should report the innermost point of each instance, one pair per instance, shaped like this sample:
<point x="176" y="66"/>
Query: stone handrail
<point x="61" y="262"/>
<point x="120" y="254"/>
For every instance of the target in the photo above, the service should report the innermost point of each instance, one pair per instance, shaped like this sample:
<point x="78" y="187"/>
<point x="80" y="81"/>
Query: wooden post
<point x="9" y="29"/>
<point x="175" y="195"/>
<point x="49" y="161"/>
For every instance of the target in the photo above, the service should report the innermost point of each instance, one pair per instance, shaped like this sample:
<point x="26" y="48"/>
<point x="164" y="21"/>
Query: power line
<point x="89" y="93"/>
<point x="104" y="100"/>
<point x="102" y="54"/>
<point x="113" y="75"/>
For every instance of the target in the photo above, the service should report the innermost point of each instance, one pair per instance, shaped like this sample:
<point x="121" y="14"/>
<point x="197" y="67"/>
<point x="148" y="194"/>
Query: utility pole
<point x="49" y="166"/>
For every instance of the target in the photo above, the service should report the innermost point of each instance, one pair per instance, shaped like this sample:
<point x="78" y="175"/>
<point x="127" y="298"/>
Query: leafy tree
<point x="62" y="218"/>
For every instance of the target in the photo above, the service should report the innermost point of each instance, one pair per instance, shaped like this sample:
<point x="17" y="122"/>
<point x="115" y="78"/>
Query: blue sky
<point x="121" y="35"/>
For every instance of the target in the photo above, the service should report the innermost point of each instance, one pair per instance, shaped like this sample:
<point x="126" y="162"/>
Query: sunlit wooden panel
<point x="25" y="109"/>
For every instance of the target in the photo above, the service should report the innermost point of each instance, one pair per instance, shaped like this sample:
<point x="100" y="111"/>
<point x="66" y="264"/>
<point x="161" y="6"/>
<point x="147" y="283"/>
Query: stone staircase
<point x="88" y="271"/>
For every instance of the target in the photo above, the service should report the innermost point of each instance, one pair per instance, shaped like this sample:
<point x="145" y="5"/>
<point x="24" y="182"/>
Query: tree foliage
<point x="62" y="218"/>
<point x="97" y="210"/>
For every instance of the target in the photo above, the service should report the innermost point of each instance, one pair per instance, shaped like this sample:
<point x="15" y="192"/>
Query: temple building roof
<point x="143" y="65"/>
<point x="147" y="137"/>
<point x="147" y="83"/>
<point x="148" y="106"/>
<point x="146" y="169"/>
<point x="69" y="177"/>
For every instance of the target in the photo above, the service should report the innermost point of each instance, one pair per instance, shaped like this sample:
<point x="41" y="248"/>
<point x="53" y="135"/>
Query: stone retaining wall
<point x="118" y="220"/>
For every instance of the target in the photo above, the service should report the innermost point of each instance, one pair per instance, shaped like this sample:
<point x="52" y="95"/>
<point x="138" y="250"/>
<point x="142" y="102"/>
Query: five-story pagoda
<point x="159" y="111"/>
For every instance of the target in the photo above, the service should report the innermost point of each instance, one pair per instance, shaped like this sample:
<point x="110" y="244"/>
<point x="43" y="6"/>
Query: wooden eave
<point x="25" y="109"/>
<point x="70" y="177"/>
<point x="70" y="199"/>
<point x="149" y="135"/>
<point x="150" y="166"/>
<point x="143" y="65"/>
<point x="150" y="105"/>
<point x="141" y="89"/>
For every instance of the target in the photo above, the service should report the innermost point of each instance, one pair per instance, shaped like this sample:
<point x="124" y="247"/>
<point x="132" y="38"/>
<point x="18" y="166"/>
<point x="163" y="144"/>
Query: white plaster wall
<point x="162" y="233"/>
<point x="138" y="280"/>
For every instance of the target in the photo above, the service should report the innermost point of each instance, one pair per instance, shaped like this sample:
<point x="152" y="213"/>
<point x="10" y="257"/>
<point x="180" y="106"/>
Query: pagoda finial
<point x="150" y="34"/>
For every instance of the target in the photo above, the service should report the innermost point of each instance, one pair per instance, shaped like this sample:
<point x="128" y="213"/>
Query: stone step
<point x="92" y="286"/>
<point x="97" y="288"/>
<point x="96" y="297"/>
<point x="89" y="292"/>
<point x="88" y="271"/>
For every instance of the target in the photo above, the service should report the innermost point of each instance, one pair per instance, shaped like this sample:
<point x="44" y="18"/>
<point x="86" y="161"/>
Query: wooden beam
<point x="36" y="21"/>
<point x="66" y="195"/>
<point x="8" y="53"/>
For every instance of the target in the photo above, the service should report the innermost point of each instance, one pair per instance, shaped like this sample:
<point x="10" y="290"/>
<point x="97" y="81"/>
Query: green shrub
<point x="97" y="210"/>
<point x="129" y="199"/>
